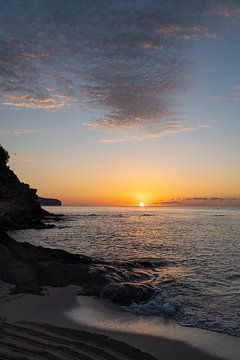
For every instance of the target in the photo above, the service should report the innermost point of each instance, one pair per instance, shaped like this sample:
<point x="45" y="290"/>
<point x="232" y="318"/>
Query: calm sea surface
<point x="191" y="255"/>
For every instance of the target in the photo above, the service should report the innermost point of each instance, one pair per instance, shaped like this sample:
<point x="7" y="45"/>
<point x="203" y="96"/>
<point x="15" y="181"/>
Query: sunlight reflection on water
<point x="199" y="248"/>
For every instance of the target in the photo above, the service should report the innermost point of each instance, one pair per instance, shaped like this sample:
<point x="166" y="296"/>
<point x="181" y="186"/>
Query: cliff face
<point x="19" y="207"/>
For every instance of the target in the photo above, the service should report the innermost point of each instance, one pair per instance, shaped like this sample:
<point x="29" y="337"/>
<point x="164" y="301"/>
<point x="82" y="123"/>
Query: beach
<point x="119" y="180"/>
<point x="62" y="325"/>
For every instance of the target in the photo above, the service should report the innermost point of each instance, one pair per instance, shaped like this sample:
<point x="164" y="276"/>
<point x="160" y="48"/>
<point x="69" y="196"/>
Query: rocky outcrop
<point x="124" y="293"/>
<point x="49" y="202"/>
<point x="30" y="268"/>
<point x="19" y="207"/>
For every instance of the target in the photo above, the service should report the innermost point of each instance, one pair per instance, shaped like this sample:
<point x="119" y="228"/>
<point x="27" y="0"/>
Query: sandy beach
<point x="62" y="325"/>
<point x="119" y="180"/>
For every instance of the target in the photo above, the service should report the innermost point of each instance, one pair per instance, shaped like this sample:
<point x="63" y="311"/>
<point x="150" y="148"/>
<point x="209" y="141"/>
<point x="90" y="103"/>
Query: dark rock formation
<point x="30" y="268"/>
<point x="19" y="207"/>
<point x="124" y="293"/>
<point x="49" y="202"/>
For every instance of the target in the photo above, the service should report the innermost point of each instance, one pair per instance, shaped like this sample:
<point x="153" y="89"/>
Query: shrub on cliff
<point x="4" y="157"/>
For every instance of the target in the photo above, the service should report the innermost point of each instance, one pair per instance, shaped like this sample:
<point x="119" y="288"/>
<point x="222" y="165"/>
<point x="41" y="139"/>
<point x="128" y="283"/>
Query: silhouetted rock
<point x="30" y="268"/>
<point x="19" y="207"/>
<point x="49" y="202"/>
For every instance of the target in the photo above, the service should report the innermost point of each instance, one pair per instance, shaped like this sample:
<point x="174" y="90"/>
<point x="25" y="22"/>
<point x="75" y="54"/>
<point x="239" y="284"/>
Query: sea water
<point x="191" y="256"/>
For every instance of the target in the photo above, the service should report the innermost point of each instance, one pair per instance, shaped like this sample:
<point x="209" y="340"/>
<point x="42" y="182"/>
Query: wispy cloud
<point x="166" y="130"/>
<point x="25" y="101"/>
<point x="228" y="9"/>
<point x="187" y="32"/>
<point x="202" y="201"/>
<point x="127" y="66"/>
<point x="232" y="97"/>
<point x="17" y="132"/>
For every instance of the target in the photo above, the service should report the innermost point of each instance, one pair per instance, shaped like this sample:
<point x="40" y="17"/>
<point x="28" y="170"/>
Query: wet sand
<point x="61" y="325"/>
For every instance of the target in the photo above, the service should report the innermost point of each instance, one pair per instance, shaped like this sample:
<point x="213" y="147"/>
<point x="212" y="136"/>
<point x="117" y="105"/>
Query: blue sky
<point x="126" y="85"/>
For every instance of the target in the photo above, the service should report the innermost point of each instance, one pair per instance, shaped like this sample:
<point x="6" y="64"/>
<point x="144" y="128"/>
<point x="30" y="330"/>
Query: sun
<point x="141" y="204"/>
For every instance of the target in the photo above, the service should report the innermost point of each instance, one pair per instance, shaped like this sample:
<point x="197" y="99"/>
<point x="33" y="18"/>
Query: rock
<point x="19" y="207"/>
<point x="49" y="202"/>
<point x="30" y="267"/>
<point x="126" y="293"/>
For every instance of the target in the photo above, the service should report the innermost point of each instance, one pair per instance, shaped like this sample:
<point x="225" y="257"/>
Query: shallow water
<point x="191" y="256"/>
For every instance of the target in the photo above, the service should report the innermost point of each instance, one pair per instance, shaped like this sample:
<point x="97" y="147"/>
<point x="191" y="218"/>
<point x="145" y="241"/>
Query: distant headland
<point x="49" y="202"/>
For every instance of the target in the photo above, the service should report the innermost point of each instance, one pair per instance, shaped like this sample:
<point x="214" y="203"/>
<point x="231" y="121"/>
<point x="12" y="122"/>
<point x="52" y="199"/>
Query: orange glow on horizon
<point x="118" y="185"/>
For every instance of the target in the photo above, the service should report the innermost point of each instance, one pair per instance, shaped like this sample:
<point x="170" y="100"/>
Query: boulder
<point x="126" y="293"/>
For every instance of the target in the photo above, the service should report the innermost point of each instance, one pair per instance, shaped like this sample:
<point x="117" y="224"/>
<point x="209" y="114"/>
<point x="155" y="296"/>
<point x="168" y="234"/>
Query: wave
<point x="158" y="305"/>
<point x="186" y="314"/>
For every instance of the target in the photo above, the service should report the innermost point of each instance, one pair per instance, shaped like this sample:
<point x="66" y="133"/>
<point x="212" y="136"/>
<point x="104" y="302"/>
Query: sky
<point x="120" y="102"/>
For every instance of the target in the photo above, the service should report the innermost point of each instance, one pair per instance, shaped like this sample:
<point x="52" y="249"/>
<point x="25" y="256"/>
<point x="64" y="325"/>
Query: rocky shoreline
<point x="30" y="268"/>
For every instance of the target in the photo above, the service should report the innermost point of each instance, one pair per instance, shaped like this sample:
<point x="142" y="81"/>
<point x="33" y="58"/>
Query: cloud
<point x="25" y="101"/>
<point x="232" y="97"/>
<point x="187" y="32"/>
<point x="17" y="132"/>
<point x="165" y="130"/>
<point x="125" y="61"/>
<point x="228" y="9"/>
<point x="202" y="201"/>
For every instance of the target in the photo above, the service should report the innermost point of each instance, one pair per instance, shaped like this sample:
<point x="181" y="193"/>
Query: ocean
<point x="190" y="255"/>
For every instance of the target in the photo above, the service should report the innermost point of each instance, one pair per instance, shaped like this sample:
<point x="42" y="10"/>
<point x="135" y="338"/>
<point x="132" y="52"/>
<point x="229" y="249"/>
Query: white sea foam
<point x="159" y="305"/>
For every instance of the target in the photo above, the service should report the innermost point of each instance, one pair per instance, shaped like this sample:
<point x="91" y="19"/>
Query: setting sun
<point x="141" y="204"/>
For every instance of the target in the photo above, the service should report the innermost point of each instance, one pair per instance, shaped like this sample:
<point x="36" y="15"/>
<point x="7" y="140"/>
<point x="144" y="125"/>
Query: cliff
<point x="19" y="207"/>
<point x="49" y="202"/>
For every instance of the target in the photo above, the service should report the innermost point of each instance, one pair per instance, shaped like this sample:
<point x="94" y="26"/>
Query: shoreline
<point x="162" y="338"/>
